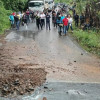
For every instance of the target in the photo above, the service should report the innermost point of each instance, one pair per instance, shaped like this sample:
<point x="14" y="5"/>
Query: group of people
<point x="19" y="18"/>
<point x="63" y="22"/>
<point x="42" y="19"/>
<point x="85" y="22"/>
<point x="59" y="20"/>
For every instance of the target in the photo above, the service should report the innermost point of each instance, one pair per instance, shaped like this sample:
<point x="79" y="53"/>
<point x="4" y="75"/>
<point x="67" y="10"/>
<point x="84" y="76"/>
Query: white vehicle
<point x="50" y="4"/>
<point x="36" y="5"/>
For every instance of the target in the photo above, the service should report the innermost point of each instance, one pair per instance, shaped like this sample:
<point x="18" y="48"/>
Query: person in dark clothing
<point x="82" y="18"/>
<point x="24" y="19"/>
<point x="55" y="20"/>
<point x="53" y="15"/>
<point x="48" y="21"/>
<point x="76" y="20"/>
<point x="74" y="13"/>
<point x="91" y="21"/>
<point x="38" y="22"/>
<point x="32" y="16"/>
<point x="28" y="16"/>
<point x="58" y="13"/>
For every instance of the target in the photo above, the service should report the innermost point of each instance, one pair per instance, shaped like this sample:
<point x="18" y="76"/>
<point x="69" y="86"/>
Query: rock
<point x="74" y="61"/>
<point x="45" y="87"/>
<point x="31" y="88"/>
<point x="16" y="82"/>
<point x="5" y="88"/>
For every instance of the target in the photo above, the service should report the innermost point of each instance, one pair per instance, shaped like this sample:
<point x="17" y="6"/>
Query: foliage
<point x="89" y="39"/>
<point x="4" y="20"/>
<point x="64" y="1"/>
<point x="15" y="5"/>
<point x="6" y="8"/>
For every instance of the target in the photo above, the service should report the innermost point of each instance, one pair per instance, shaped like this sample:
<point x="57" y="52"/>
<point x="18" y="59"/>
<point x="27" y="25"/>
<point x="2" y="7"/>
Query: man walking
<point x="65" y="23"/>
<point x="42" y="16"/>
<point x="47" y="21"/>
<point x="38" y="22"/>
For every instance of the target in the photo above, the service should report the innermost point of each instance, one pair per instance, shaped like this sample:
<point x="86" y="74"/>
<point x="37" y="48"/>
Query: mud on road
<point x="17" y="75"/>
<point x="26" y="55"/>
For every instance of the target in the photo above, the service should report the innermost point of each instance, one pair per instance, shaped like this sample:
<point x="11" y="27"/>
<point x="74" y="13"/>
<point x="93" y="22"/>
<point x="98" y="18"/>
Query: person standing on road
<point x="62" y="17"/>
<point x="11" y="18"/>
<point x="55" y="20"/>
<point x="76" y="20"/>
<point x="42" y="16"/>
<point x="65" y="23"/>
<point x="38" y="22"/>
<point x="53" y="15"/>
<point x="28" y="16"/>
<point x="59" y="24"/>
<point x="24" y="19"/>
<point x="70" y="21"/>
<point x="32" y="16"/>
<point x="58" y="13"/>
<point x="17" y="21"/>
<point x="48" y="21"/>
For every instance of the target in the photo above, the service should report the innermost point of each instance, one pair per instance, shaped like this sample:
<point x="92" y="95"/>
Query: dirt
<point x="18" y="78"/>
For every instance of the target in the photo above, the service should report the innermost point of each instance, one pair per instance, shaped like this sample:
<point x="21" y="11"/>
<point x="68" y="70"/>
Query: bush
<point x="90" y="40"/>
<point x="4" y="18"/>
<point x="6" y="8"/>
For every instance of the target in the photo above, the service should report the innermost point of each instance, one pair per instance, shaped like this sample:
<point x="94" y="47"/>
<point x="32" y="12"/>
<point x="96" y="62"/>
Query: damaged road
<point x="45" y="56"/>
<point x="18" y="76"/>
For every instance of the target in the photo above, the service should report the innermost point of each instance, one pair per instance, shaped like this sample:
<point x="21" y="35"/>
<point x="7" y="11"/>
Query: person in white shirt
<point x="70" y="21"/>
<point x="42" y="17"/>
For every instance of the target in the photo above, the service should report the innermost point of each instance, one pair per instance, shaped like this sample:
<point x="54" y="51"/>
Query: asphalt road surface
<point x="73" y="73"/>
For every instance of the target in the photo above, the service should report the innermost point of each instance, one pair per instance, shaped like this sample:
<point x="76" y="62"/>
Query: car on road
<point x="36" y="5"/>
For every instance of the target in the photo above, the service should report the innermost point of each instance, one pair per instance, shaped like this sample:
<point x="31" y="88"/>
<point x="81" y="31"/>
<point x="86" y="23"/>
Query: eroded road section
<point x="61" y="57"/>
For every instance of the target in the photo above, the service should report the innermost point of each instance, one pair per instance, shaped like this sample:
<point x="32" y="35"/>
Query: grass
<point x="4" y="18"/>
<point x="89" y="40"/>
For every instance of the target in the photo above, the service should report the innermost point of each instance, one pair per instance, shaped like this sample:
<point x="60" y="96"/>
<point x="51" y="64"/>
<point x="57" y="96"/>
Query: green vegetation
<point x="64" y="1"/>
<point x="6" y="8"/>
<point x="4" y="20"/>
<point x="15" y="5"/>
<point x="89" y="40"/>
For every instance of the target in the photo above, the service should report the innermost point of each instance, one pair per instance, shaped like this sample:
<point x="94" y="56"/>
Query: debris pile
<point x="15" y="80"/>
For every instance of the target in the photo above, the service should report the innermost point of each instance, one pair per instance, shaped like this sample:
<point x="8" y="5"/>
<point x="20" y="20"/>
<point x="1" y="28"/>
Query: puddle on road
<point x="21" y="35"/>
